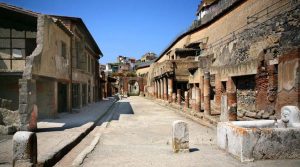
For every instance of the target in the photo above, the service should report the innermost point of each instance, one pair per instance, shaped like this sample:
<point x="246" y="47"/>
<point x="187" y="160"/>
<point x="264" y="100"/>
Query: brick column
<point x="178" y="97"/>
<point x="231" y="100"/>
<point x="198" y="100"/>
<point x="165" y="89"/>
<point x="186" y="100"/>
<point x="207" y="93"/>
<point x="170" y="89"/>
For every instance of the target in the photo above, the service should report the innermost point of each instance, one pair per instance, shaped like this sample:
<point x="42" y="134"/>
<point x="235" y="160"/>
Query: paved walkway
<point x="55" y="134"/>
<point x="141" y="136"/>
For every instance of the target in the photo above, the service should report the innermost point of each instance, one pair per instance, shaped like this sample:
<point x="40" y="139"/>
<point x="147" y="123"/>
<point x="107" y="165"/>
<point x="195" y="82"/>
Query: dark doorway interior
<point x="62" y="97"/>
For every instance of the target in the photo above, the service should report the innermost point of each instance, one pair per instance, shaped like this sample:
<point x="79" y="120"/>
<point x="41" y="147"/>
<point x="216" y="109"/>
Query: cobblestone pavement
<point x="140" y="135"/>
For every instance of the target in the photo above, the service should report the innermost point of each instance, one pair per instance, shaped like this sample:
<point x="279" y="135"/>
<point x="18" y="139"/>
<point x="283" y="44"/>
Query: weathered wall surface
<point x="51" y="63"/>
<point x="142" y="71"/>
<point x="225" y="25"/>
<point x="289" y="80"/>
<point x="260" y="51"/>
<point x="46" y="93"/>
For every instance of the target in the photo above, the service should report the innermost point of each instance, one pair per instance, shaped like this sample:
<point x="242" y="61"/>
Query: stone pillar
<point x="186" y="100"/>
<point x="201" y="86"/>
<point x="162" y="89"/>
<point x="154" y="91"/>
<point x="24" y="149"/>
<point x="165" y="89"/>
<point x="198" y="100"/>
<point x="231" y="99"/>
<point x="180" y="136"/>
<point x="218" y="88"/>
<point x="207" y="93"/>
<point x="170" y="89"/>
<point x="178" y="97"/>
<point x="27" y="105"/>
<point x="173" y="98"/>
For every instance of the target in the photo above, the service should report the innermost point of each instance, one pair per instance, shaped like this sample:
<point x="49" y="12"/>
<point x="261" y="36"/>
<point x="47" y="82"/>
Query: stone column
<point x="154" y="90"/>
<point x="165" y="89"/>
<point x="198" y="100"/>
<point x="27" y="105"/>
<point x="170" y="89"/>
<point x="186" y="100"/>
<point x="218" y="95"/>
<point x="161" y="89"/>
<point x="173" y="98"/>
<point x="178" y="97"/>
<point x="207" y="93"/>
<point x="231" y="99"/>
<point x="201" y="86"/>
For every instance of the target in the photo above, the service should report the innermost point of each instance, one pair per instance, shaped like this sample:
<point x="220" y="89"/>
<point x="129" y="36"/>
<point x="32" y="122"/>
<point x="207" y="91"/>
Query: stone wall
<point x="274" y="46"/>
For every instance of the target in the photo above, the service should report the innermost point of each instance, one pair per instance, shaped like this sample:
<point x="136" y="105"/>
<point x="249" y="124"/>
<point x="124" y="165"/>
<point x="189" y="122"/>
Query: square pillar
<point x="173" y="98"/>
<point x="170" y="89"/>
<point x="198" y="100"/>
<point x="178" y="97"/>
<point x="207" y="110"/>
<point x="218" y="89"/>
<point x="201" y="86"/>
<point x="231" y="100"/>
<point x="165" y="94"/>
<point x="186" y="100"/>
<point x="154" y="91"/>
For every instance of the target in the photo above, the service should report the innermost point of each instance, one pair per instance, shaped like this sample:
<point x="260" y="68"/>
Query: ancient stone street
<point x="140" y="135"/>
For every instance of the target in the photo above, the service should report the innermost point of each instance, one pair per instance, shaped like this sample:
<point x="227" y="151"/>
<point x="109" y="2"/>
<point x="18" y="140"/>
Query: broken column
<point x="187" y="100"/>
<point x="178" y="97"/>
<point x="231" y="100"/>
<point x="180" y="136"/>
<point x="170" y="89"/>
<point x="24" y="149"/>
<point x="207" y="93"/>
<point x="198" y="100"/>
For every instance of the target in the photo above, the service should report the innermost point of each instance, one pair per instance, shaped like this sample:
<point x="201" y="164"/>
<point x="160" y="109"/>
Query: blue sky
<point x="123" y="27"/>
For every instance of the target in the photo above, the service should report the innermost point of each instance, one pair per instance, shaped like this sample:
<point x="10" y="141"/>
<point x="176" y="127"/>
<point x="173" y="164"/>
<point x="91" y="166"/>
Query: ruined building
<point x="47" y="66"/>
<point x="239" y="59"/>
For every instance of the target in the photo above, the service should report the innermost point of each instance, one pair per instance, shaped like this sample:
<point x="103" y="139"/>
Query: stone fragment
<point x="24" y="149"/>
<point x="250" y="114"/>
<point x="180" y="137"/>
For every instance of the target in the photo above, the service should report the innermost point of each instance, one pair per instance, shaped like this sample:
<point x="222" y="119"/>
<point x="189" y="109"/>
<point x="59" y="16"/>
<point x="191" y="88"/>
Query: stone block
<point x="24" y="149"/>
<point x="250" y="114"/>
<point x="180" y="136"/>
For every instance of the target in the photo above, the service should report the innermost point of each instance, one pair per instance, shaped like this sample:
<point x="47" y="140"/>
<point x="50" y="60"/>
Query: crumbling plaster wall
<point x="257" y="51"/>
<point x="51" y="63"/>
